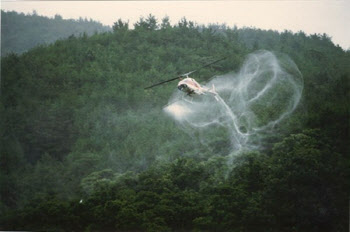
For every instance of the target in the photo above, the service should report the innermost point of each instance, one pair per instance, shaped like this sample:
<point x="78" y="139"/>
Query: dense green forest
<point x="20" y="32"/>
<point x="84" y="147"/>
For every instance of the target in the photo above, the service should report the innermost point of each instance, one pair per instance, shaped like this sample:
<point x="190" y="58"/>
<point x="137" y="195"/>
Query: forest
<point x="20" y="32"/>
<point x="85" y="148"/>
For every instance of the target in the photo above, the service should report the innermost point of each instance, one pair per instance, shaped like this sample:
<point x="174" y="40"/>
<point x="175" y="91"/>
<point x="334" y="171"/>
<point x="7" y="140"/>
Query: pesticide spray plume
<point x="266" y="90"/>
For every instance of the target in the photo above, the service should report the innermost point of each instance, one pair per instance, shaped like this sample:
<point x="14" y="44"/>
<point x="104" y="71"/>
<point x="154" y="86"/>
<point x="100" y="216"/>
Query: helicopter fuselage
<point x="190" y="86"/>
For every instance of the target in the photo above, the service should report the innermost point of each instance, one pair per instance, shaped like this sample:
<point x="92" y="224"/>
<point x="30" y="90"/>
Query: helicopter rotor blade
<point x="186" y="74"/>
<point x="173" y="79"/>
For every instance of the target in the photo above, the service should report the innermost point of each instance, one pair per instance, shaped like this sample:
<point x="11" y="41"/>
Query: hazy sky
<point x="324" y="16"/>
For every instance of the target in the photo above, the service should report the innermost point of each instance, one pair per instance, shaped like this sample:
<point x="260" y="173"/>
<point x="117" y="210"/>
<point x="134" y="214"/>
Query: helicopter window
<point x="181" y="87"/>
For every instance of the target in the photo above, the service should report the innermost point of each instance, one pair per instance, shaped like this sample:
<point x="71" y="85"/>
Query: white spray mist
<point x="250" y="103"/>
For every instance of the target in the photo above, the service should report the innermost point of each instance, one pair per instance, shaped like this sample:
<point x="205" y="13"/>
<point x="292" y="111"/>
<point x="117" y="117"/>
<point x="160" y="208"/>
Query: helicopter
<point x="189" y="85"/>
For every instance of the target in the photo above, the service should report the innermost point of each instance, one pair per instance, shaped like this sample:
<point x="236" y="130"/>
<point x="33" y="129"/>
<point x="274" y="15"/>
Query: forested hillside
<point x="20" y="32"/>
<point x="84" y="147"/>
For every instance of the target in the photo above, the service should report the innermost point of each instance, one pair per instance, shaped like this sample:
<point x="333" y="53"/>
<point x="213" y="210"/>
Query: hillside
<point x="20" y="32"/>
<point x="85" y="147"/>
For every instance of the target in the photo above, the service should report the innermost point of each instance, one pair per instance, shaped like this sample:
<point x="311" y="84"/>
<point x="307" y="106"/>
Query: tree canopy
<point x="20" y="32"/>
<point x="84" y="147"/>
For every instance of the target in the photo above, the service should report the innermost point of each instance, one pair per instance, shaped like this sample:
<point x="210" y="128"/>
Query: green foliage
<point x="84" y="147"/>
<point x="307" y="173"/>
<point x="20" y="32"/>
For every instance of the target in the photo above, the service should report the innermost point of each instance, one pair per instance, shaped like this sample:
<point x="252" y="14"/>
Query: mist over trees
<point x="84" y="147"/>
<point x="20" y="32"/>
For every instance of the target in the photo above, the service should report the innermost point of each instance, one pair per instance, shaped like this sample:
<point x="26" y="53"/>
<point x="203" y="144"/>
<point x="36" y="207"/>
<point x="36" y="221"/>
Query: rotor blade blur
<point x="173" y="79"/>
<point x="186" y="74"/>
